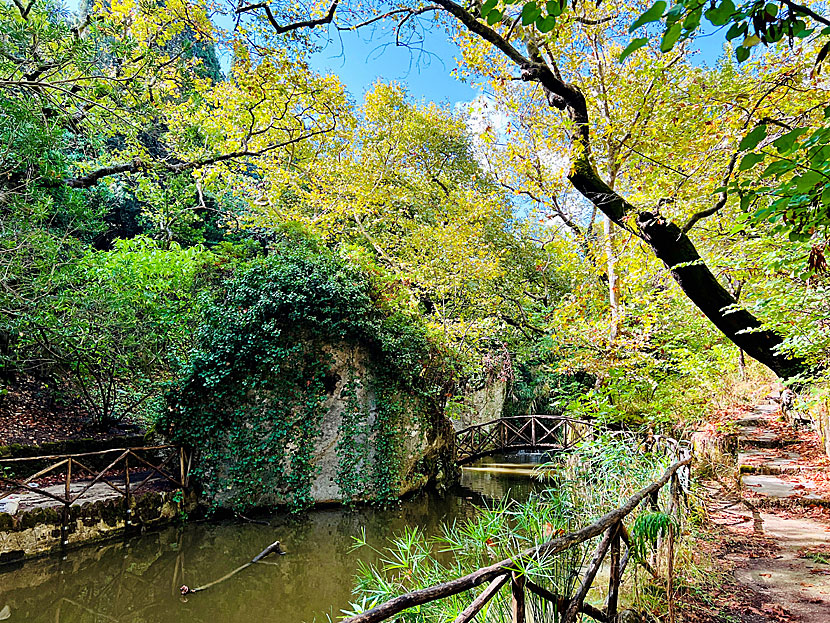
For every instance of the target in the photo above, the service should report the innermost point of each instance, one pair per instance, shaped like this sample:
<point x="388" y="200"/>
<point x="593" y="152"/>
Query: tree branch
<point x="800" y="8"/>
<point x="722" y="197"/>
<point x="309" y="23"/>
<point x="89" y="180"/>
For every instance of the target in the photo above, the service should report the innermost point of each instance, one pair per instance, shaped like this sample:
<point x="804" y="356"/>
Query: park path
<point x="24" y="501"/>
<point x="783" y="503"/>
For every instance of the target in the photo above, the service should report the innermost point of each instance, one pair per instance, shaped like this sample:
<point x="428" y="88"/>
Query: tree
<point x="499" y="26"/>
<point x="401" y="193"/>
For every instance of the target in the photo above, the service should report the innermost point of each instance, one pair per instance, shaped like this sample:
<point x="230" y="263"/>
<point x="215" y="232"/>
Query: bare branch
<point x="722" y="197"/>
<point x="309" y="23"/>
<point x="800" y="8"/>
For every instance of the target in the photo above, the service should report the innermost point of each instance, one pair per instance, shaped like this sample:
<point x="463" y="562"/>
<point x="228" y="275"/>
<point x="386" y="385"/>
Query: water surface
<point x="138" y="580"/>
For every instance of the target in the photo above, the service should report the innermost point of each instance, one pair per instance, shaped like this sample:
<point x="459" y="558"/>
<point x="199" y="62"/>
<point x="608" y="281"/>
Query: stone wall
<point x="480" y="405"/>
<point x="425" y="438"/>
<point x="38" y="531"/>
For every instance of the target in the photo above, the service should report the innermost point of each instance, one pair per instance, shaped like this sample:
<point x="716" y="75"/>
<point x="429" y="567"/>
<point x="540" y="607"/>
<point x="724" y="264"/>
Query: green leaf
<point x="775" y="33"/>
<point x="796" y="236"/>
<point x="487" y="7"/>
<point x="554" y="8"/>
<point x="749" y="161"/>
<point x="635" y="45"/>
<point x="741" y="53"/>
<point x="806" y="182"/>
<point x="771" y="9"/>
<point x="692" y="21"/>
<point x="652" y="15"/>
<point x="670" y="38"/>
<point x="530" y="13"/>
<point x="721" y="14"/>
<point x="736" y="30"/>
<point x="546" y="24"/>
<point x="751" y="140"/>
<point x="778" y="167"/>
<point x="785" y="142"/>
<point x="674" y="14"/>
<point x="493" y="17"/>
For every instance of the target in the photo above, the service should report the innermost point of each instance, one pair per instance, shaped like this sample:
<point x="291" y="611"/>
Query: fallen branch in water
<point x="274" y="548"/>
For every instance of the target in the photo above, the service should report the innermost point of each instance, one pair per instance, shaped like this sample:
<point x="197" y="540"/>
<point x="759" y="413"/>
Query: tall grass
<point x="580" y="486"/>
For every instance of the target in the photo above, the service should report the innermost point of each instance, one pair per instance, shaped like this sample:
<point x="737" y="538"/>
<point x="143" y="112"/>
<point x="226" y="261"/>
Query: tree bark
<point x="613" y="286"/>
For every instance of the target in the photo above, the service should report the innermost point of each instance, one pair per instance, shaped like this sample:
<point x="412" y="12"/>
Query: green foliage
<point x="757" y="21"/>
<point x="793" y="191"/>
<point x="112" y="326"/>
<point x="647" y="528"/>
<point x="251" y="397"/>
<point x="596" y="479"/>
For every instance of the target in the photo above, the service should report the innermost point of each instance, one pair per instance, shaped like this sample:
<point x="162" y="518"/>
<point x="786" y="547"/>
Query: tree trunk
<point x="672" y="246"/>
<point x="613" y="286"/>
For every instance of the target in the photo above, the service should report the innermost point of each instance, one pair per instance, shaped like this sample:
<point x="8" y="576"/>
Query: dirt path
<point x="781" y="508"/>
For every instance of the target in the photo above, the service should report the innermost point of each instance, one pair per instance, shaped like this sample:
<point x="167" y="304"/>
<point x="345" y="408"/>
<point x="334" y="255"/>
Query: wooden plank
<point x="24" y="484"/>
<point x="562" y="602"/>
<point x="100" y="477"/>
<point x="479" y="602"/>
<point x="614" y="577"/>
<point x="28" y="487"/>
<point x="159" y="468"/>
<point x="52" y="457"/>
<point x="578" y="599"/>
<point x="517" y="601"/>
<point x="68" y="479"/>
<point x="152" y="475"/>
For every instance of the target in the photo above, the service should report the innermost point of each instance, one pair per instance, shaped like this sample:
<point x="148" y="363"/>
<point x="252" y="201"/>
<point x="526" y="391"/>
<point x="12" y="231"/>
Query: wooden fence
<point x="614" y="534"/>
<point x="521" y="432"/>
<point x="73" y="479"/>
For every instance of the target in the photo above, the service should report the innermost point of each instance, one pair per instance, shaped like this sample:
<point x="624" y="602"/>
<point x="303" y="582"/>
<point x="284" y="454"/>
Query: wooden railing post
<point x="67" y="496"/>
<point x="517" y="603"/>
<point x="533" y="431"/>
<point x="593" y="567"/>
<point x="127" y="499"/>
<point x="614" y="577"/>
<point x="670" y="580"/>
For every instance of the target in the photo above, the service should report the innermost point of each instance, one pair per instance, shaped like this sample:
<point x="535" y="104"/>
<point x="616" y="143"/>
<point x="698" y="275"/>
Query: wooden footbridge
<point x="523" y="432"/>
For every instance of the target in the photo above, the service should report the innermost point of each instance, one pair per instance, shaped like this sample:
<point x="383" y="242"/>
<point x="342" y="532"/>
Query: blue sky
<point x="360" y="59"/>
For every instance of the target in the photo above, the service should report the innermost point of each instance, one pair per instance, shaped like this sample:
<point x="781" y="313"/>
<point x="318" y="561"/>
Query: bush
<point x="250" y="398"/>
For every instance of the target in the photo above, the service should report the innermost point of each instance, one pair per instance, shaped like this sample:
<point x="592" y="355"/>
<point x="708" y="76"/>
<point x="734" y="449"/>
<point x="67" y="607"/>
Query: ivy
<point x="353" y="447"/>
<point x="251" y="398"/>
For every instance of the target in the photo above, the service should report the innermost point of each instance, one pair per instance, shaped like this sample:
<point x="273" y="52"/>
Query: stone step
<point x="761" y="438"/>
<point x="775" y="488"/>
<point x="767" y="461"/>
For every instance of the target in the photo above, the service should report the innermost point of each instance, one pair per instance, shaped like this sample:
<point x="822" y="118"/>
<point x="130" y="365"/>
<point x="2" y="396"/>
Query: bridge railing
<point x="64" y="480"/>
<point x="614" y="546"/>
<point x="520" y="432"/>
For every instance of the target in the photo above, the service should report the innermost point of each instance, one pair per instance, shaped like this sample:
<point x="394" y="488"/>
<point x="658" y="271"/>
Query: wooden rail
<point x="173" y="468"/>
<point x="614" y="534"/>
<point x="521" y="432"/>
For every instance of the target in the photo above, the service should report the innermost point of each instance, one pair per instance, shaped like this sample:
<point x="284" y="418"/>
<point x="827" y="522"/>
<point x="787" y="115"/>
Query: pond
<point x="138" y="580"/>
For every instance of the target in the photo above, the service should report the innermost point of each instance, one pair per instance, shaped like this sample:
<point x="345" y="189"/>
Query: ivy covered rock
<point x="302" y="391"/>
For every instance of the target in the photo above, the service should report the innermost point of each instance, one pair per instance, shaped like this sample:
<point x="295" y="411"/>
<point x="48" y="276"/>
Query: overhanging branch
<point x="90" y="179"/>
<point x="280" y="29"/>
<point x="722" y="197"/>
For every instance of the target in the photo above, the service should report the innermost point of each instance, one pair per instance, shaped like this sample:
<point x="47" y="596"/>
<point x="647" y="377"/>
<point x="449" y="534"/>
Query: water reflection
<point x="137" y="581"/>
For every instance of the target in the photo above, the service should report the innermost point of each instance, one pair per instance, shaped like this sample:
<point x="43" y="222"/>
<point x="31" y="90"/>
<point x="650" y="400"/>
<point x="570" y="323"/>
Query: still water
<point x="138" y="580"/>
